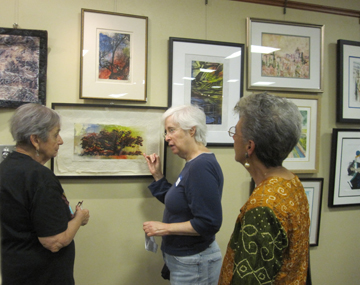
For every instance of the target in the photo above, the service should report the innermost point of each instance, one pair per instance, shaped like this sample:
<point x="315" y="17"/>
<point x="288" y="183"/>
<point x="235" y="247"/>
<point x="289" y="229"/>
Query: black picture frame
<point x="314" y="190"/>
<point x="100" y="156"/>
<point x="222" y="60"/>
<point x="344" y="188"/>
<point x="348" y="82"/>
<point x="23" y="67"/>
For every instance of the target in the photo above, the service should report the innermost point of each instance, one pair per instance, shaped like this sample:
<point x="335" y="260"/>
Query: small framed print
<point x="348" y="82"/>
<point x="285" y="56"/>
<point x="208" y="74"/>
<point x="113" y="56"/>
<point x="344" y="183"/>
<point x="23" y="65"/>
<point x="313" y="188"/>
<point x="304" y="157"/>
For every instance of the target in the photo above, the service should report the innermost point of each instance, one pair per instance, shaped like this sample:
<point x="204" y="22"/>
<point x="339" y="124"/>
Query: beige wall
<point x="110" y="249"/>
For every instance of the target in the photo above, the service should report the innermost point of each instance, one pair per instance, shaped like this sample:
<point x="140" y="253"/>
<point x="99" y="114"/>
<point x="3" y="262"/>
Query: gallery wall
<point x="110" y="249"/>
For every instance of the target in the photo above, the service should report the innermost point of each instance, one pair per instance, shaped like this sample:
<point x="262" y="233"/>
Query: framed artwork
<point x="284" y="56"/>
<point x="313" y="189"/>
<point x="348" y="82"/>
<point x="344" y="183"/>
<point x="113" y="56"/>
<point x="304" y="157"/>
<point x="107" y="140"/>
<point x="208" y="74"/>
<point x="23" y="64"/>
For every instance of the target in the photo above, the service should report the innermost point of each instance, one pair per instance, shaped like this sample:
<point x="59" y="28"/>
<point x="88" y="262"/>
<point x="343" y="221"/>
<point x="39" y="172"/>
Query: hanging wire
<point x="206" y="2"/>
<point x="16" y="14"/>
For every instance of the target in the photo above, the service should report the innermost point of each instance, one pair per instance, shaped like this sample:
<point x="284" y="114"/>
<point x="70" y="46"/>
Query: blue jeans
<point x="199" y="269"/>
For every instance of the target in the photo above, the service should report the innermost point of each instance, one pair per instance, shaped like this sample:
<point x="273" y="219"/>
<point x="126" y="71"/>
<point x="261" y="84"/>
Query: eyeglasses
<point x="170" y="132"/>
<point x="232" y="131"/>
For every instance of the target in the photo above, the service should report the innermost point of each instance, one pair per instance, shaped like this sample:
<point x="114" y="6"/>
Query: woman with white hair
<point x="193" y="212"/>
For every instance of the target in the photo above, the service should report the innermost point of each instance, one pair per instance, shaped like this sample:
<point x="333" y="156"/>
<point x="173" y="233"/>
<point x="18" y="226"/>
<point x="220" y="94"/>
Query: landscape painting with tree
<point x="114" y="55"/>
<point x="96" y="141"/>
<point x="207" y="89"/>
<point x="291" y="60"/>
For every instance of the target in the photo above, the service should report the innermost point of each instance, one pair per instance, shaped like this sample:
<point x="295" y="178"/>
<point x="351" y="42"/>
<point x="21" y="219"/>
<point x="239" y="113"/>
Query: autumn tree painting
<point x="114" y="142"/>
<point x="114" y="56"/>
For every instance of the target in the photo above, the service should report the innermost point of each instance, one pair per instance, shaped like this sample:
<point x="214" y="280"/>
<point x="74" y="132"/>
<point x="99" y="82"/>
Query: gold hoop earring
<point x="246" y="164"/>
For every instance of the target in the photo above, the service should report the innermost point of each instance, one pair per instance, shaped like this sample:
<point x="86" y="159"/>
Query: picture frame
<point x="313" y="189"/>
<point x="208" y="74"/>
<point x="113" y="56"/>
<point x="23" y="67"/>
<point x="305" y="156"/>
<point x="348" y="82"/>
<point x="284" y="56"/>
<point x="344" y="189"/>
<point x="108" y="140"/>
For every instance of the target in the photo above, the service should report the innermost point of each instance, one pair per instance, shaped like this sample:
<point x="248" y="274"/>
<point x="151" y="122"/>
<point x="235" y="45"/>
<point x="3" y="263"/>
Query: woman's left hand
<point x="155" y="228"/>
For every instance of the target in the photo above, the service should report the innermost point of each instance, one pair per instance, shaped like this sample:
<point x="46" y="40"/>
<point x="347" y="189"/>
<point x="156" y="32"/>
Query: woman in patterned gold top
<point x="270" y="241"/>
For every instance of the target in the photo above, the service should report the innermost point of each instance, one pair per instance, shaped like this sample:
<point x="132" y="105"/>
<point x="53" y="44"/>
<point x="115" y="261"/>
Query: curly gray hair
<point x="273" y="123"/>
<point x="32" y="119"/>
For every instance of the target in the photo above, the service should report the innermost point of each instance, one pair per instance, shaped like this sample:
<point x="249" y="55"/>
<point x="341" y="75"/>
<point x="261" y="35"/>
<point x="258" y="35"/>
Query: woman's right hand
<point x="83" y="214"/>
<point x="154" y="164"/>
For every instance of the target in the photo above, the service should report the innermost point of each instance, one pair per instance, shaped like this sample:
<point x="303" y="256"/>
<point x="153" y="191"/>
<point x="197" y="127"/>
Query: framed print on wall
<point x="113" y="56"/>
<point x="313" y="188"/>
<point x="348" y="82"/>
<point x="344" y="183"/>
<point x="208" y="74"/>
<point x="23" y="64"/>
<point x="107" y="140"/>
<point x="284" y="56"/>
<point x="304" y="157"/>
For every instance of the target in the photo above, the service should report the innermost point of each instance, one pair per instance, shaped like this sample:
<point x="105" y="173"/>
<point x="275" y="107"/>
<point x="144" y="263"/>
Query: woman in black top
<point x="37" y="223"/>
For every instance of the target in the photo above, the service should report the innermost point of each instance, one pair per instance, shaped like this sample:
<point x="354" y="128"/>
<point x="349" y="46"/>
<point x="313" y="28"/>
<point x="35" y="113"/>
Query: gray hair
<point x="188" y="116"/>
<point x="273" y="123"/>
<point x="32" y="119"/>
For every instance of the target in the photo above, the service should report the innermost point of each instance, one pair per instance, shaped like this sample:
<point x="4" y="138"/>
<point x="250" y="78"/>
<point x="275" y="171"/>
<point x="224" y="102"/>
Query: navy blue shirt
<point x="194" y="197"/>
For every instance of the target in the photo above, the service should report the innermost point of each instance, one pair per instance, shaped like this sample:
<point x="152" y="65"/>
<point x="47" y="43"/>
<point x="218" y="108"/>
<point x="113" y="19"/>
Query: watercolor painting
<point x="354" y="96"/>
<point x="114" y="55"/>
<point x="207" y="89"/>
<point x="96" y="141"/>
<point x="292" y="60"/>
<point x="300" y="150"/>
<point x="19" y="68"/>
